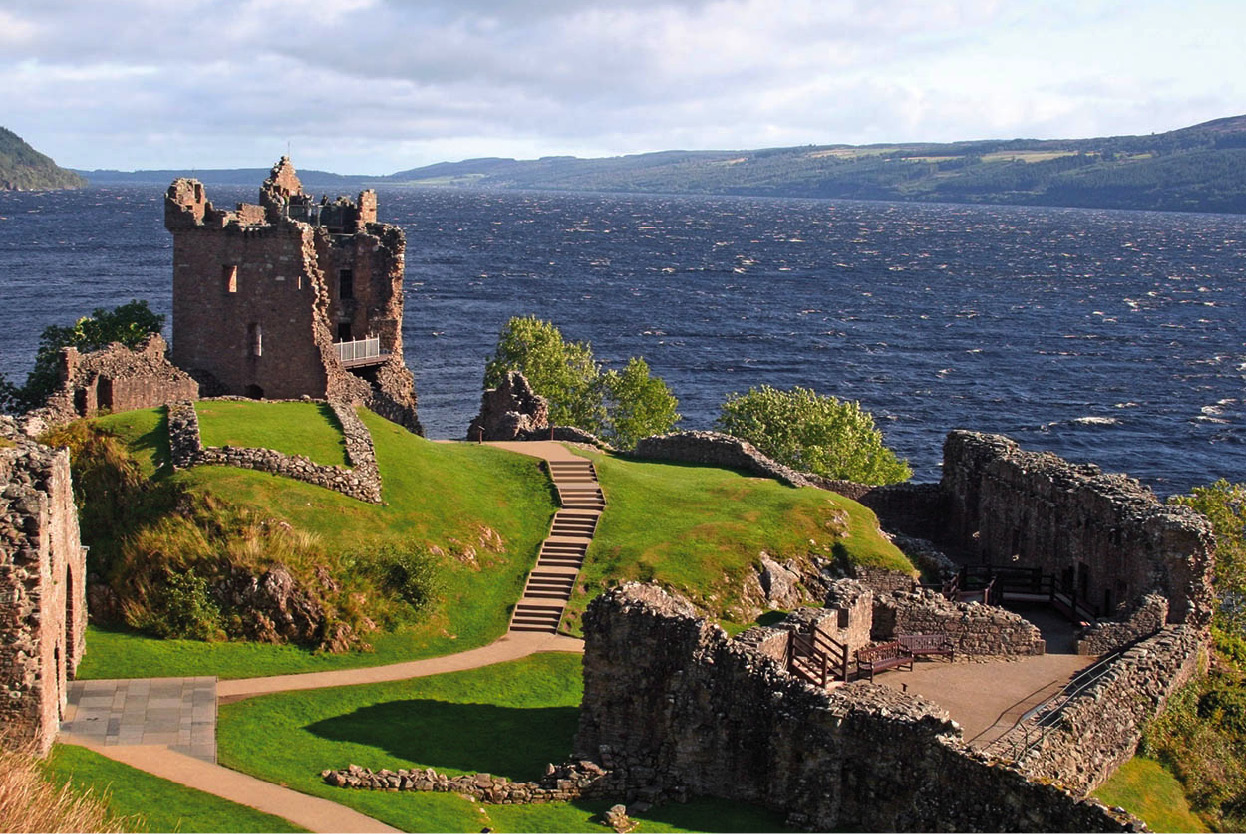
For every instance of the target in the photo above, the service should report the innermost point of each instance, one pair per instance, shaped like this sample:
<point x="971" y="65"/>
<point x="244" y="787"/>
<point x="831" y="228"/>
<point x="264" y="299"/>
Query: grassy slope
<point x="1145" y="789"/>
<point x="699" y="529"/>
<point x="509" y="719"/>
<point x="443" y="494"/>
<point x="293" y="428"/>
<point x="162" y="805"/>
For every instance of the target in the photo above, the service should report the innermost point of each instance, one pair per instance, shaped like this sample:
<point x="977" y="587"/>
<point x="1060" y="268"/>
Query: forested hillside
<point x="1200" y="168"/>
<point x="24" y="168"/>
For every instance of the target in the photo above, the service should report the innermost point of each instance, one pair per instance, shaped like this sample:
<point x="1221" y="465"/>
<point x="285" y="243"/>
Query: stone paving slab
<point x="179" y="713"/>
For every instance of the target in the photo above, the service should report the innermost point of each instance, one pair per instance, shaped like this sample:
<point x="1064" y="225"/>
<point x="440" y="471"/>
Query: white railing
<point x="359" y="349"/>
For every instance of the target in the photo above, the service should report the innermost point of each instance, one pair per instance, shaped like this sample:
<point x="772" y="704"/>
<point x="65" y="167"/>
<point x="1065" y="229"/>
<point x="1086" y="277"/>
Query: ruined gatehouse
<point x="292" y="297"/>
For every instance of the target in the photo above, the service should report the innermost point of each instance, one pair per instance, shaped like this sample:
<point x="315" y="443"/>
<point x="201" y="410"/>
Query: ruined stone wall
<point x="976" y="629"/>
<point x="673" y="708"/>
<point x="709" y="448"/>
<point x="1106" y="636"/>
<point x="1099" y="728"/>
<point x="362" y="481"/>
<point x="42" y="587"/>
<point x="1107" y="536"/>
<point x="114" y="379"/>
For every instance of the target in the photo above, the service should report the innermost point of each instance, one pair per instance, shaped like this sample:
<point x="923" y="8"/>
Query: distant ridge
<point x="22" y="168"/>
<point x="1200" y="168"/>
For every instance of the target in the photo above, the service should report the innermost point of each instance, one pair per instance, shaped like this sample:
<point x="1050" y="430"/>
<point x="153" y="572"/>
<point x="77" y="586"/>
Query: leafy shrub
<point x="813" y="433"/>
<point x="181" y="607"/>
<point x="619" y="406"/>
<point x="1224" y="504"/>
<point x="411" y="572"/>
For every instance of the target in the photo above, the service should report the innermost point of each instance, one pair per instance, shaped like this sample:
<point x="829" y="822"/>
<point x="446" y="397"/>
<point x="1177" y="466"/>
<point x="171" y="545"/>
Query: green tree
<point x="637" y="405"/>
<point x="620" y="406"/>
<point x="1224" y="504"/>
<point x="813" y="433"/>
<point x="563" y="372"/>
<point x="129" y="324"/>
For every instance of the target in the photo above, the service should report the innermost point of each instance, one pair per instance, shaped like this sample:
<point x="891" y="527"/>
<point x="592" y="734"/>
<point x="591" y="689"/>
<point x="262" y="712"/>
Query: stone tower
<point x="290" y="297"/>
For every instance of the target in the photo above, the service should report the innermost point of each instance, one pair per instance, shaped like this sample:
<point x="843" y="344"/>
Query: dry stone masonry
<point x="673" y="708"/>
<point x="114" y="379"/>
<point x="1106" y="537"/>
<point x="291" y="297"/>
<point x="562" y="783"/>
<point x="975" y="629"/>
<point x="43" y="576"/>
<point x="362" y="481"/>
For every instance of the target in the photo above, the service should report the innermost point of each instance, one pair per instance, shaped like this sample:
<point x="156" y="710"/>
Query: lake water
<point x="1110" y="337"/>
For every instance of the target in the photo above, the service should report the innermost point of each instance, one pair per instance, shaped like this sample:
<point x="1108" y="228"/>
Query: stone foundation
<point x="362" y="481"/>
<point x="709" y="448"/>
<point x="976" y="629"/>
<point x="579" y="780"/>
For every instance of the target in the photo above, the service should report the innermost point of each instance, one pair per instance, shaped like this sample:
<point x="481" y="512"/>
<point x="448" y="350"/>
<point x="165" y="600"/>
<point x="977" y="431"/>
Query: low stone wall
<point x="710" y="448"/>
<point x="674" y="708"/>
<point x="916" y="510"/>
<point x="362" y="482"/>
<point x="977" y="629"/>
<point x="1098" y="729"/>
<point x="1106" y="636"/>
<point x="564" y="783"/>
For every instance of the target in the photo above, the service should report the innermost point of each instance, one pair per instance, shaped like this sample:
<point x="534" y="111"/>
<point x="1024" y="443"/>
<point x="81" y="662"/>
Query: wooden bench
<point x="924" y="644"/>
<point x="890" y="655"/>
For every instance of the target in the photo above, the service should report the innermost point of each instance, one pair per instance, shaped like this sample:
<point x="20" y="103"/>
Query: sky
<point x="379" y="86"/>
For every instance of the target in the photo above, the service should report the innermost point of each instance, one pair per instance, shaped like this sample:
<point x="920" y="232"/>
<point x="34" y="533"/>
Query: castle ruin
<point x="292" y="297"/>
<point x="43" y="613"/>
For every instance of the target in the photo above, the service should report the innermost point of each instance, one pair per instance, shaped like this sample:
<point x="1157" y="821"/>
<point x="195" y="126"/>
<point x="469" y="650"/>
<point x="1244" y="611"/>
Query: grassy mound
<point x="509" y="720"/>
<point x="149" y="803"/>
<point x="701" y="530"/>
<point x="308" y="429"/>
<point x="479" y="512"/>
<point x="1142" y="787"/>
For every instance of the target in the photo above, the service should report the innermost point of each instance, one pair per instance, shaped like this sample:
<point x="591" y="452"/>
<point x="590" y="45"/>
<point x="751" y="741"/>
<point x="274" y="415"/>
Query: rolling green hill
<point x="22" y="168"/>
<point x="1199" y="168"/>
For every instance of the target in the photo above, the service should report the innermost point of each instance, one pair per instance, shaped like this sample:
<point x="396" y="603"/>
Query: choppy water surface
<point x="1113" y="337"/>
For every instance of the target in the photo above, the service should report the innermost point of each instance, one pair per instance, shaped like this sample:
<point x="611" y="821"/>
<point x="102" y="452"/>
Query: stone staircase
<point x="562" y="553"/>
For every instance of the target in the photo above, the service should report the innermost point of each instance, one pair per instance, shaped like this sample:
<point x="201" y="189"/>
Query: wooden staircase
<point x="562" y="553"/>
<point x="817" y="658"/>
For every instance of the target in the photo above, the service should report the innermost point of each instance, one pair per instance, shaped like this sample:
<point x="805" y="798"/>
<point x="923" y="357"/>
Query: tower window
<point x="345" y="283"/>
<point x="255" y="336"/>
<point x="229" y="273"/>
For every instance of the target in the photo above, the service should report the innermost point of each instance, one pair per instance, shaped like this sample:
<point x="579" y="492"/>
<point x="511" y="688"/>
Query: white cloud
<point x="380" y="85"/>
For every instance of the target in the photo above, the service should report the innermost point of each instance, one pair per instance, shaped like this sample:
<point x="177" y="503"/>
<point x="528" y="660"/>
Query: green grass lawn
<point x="1148" y="791"/>
<point x="453" y="496"/>
<point x="293" y="428"/>
<point x="509" y="720"/>
<point x="159" y="804"/>
<point x="699" y="530"/>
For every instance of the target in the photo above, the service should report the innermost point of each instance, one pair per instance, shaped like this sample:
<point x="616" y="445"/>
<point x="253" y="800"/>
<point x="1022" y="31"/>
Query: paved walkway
<point x="179" y="713"/>
<point x="510" y="647"/>
<point x="312" y="813"/>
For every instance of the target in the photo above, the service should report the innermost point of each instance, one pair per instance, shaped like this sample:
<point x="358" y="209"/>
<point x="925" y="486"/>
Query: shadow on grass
<point x="155" y="444"/>
<point x="504" y="741"/>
